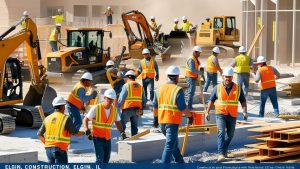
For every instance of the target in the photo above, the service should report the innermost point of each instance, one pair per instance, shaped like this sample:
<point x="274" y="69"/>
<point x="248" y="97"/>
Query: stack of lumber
<point x="293" y="87"/>
<point x="278" y="142"/>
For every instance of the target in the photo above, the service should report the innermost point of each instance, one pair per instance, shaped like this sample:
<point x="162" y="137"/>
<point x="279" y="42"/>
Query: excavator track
<point x="37" y="121"/>
<point x="7" y="124"/>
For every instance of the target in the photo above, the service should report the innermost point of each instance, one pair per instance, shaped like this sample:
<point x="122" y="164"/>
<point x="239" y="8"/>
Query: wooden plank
<point x="285" y="149"/>
<point x="255" y="145"/>
<point x="287" y="131"/>
<point x="259" y="136"/>
<point x="293" y="159"/>
<point x="259" y="158"/>
<point x="276" y="126"/>
<point x="139" y="135"/>
<point x="244" y="152"/>
<point x="277" y="139"/>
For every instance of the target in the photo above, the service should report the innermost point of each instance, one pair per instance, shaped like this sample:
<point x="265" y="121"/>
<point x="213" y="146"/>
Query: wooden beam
<point x="139" y="135"/>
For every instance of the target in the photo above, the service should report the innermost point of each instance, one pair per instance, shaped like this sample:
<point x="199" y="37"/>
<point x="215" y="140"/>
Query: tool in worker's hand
<point x="185" y="137"/>
<point x="41" y="112"/>
<point x="89" y="134"/>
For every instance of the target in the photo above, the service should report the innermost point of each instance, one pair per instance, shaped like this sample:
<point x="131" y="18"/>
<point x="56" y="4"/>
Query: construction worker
<point x="169" y="105"/>
<point x="109" y="14"/>
<point x="243" y="65"/>
<point x="153" y="26"/>
<point x="192" y="70"/>
<point x="77" y="98"/>
<point x="175" y="26"/>
<point x="207" y="24"/>
<point x="103" y="115"/>
<point x="267" y="75"/>
<point x="187" y="27"/>
<point x="226" y="95"/>
<point x="25" y="15"/>
<point x="114" y="77"/>
<point x="149" y="70"/>
<point x="59" y="18"/>
<point x="212" y="68"/>
<point x="55" y="37"/>
<point x="132" y="101"/>
<point x="56" y="132"/>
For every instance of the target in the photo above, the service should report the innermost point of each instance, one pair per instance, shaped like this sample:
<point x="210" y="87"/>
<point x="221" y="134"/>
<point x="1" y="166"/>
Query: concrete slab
<point x="295" y="102"/>
<point x="14" y="156"/>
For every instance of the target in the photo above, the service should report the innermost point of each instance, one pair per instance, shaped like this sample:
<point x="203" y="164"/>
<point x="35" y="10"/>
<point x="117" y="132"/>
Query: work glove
<point x="89" y="134"/>
<point x="123" y="135"/>
<point x="155" y="122"/>
<point x="191" y="120"/>
<point x="139" y="112"/>
<point x="245" y="114"/>
<point x="201" y="71"/>
<point x="95" y="93"/>
<point x="207" y="116"/>
<point x="156" y="77"/>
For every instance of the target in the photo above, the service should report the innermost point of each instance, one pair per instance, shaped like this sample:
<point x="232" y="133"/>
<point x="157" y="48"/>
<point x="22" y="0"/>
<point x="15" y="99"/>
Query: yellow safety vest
<point x="188" y="69"/>
<point x="175" y="27"/>
<point x="148" y="71"/>
<point x="58" y="19"/>
<point x="73" y="97"/>
<point x="56" y="135"/>
<point x="53" y="35"/>
<point x="186" y="26"/>
<point x="110" y="79"/>
<point x="210" y="66"/>
<point x="242" y="64"/>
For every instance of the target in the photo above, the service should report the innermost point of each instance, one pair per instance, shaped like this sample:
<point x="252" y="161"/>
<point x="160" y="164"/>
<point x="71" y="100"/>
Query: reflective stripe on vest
<point x="73" y="97"/>
<point x="188" y="70"/>
<point x="168" y="112"/>
<point x="53" y="35"/>
<point x="148" y="72"/>
<point x="210" y="66"/>
<point x="242" y="64"/>
<point x="186" y="26"/>
<point x="228" y="104"/>
<point x="102" y="125"/>
<point x="134" y="95"/>
<point x="267" y="77"/>
<point x="56" y="135"/>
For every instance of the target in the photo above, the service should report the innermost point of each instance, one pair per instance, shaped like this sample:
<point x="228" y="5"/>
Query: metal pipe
<point x="294" y="34"/>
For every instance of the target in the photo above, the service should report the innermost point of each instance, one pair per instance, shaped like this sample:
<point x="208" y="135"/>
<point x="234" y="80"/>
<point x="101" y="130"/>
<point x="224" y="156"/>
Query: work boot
<point x="221" y="158"/>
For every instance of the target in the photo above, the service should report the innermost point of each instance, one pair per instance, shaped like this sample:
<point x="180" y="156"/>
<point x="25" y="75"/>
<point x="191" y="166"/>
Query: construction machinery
<point x="84" y="52"/>
<point x="222" y="30"/>
<point x="139" y="36"/>
<point x="12" y="105"/>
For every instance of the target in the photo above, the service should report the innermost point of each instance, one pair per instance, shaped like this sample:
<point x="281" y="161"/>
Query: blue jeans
<point x="264" y="94"/>
<point x="55" y="155"/>
<point x="243" y="78"/>
<point x="191" y="91"/>
<point x="75" y="116"/>
<point x="102" y="149"/>
<point x="171" y="145"/>
<point x="145" y="83"/>
<point x="53" y="45"/>
<point x="130" y="115"/>
<point x="225" y="124"/>
<point x="109" y="20"/>
<point x="210" y="77"/>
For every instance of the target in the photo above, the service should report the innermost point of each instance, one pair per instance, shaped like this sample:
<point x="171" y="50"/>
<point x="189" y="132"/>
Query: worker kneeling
<point x="226" y="95"/>
<point x="103" y="115"/>
<point x="56" y="132"/>
<point x="169" y="104"/>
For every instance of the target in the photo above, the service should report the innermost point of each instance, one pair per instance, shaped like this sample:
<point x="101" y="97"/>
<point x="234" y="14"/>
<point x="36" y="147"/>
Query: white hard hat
<point x="58" y="101"/>
<point x="261" y="59"/>
<point x="216" y="50"/>
<point x="184" y="18"/>
<point x="152" y="17"/>
<point x="146" y="51"/>
<point x="130" y="73"/>
<point x="173" y="70"/>
<point x="108" y="7"/>
<point x="242" y="49"/>
<point x="110" y="63"/>
<point x="110" y="93"/>
<point x="197" y="49"/>
<point x="25" y="13"/>
<point x="228" y="71"/>
<point x="176" y="20"/>
<point x="87" y="76"/>
<point x="58" y="24"/>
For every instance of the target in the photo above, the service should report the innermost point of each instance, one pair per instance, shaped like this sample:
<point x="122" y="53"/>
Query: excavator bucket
<point x="41" y="97"/>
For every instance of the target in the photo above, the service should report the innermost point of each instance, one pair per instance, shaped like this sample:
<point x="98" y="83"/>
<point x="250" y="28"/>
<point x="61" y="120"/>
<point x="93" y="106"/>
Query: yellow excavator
<point x="13" y="107"/>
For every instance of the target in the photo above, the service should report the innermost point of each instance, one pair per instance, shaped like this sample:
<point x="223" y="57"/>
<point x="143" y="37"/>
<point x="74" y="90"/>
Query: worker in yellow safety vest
<point x="59" y="18"/>
<point x="109" y="14"/>
<point x="56" y="132"/>
<point x="169" y="105"/>
<point x="132" y="101"/>
<point x="187" y="26"/>
<point x="267" y="75"/>
<point x="78" y="97"/>
<point x="148" y="69"/>
<point x="175" y="26"/>
<point x="243" y="64"/>
<point x="212" y="68"/>
<point x="55" y="37"/>
<point x="114" y="77"/>
<point x="226" y="95"/>
<point x="153" y="26"/>
<point x="103" y="115"/>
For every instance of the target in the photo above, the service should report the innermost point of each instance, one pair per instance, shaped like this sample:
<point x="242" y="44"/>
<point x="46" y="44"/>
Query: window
<point x="218" y="23"/>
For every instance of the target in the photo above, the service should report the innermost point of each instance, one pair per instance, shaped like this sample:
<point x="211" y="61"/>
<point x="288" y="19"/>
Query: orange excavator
<point x="13" y="107"/>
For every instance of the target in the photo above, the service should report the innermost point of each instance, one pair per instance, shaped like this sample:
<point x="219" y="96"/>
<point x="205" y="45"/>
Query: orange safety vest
<point x="228" y="104"/>
<point x="110" y="79"/>
<point x="168" y="112"/>
<point x="134" y="95"/>
<point x="73" y="97"/>
<point x="210" y="66"/>
<point x="188" y="72"/>
<point x="102" y="125"/>
<point x="56" y="135"/>
<point x="148" y="72"/>
<point x="267" y="77"/>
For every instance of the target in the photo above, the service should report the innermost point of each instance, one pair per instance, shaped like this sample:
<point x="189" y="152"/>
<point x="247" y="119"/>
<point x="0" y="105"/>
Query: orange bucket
<point x="198" y="117"/>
